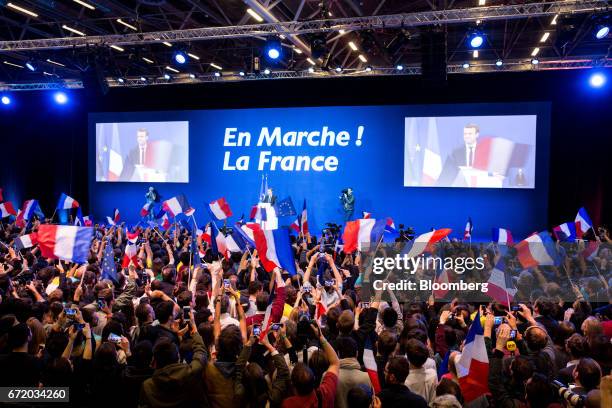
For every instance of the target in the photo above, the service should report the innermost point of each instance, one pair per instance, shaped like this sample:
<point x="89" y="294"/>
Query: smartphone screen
<point x="498" y="320"/>
<point x="186" y="310"/>
<point x="256" y="330"/>
<point x="512" y="334"/>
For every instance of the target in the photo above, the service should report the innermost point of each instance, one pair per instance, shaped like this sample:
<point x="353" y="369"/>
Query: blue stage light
<point x="180" y="57"/>
<point x="273" y="49"/>
<point x="60" y="97"/>
<point x="602" y="31"/>
<point x="597" y="80"/>
<point x="30" y="65"/>
<point x="476" y="39"/>
<point x="5" y="100"/>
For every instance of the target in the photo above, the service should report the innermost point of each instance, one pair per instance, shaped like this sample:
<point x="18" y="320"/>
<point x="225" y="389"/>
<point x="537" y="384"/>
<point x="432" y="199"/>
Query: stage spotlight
<point x="180" y="57"/>
<point x="217" y="74"/>
<point x="466" y="65"/>
<point x="338" y="69"/>
<point x="476" y="39"/>
<point x="5" y="100"/>
<point x="60" y="97"/>
<point x="310" y="70"/>
<point x="241" y="73"/>
<point x="597" y="80"/>
<point x="121" y="80"/>
<point x="143" y="79"/>
<point x="399" y="67"/>
<point x="368" y="69"/>
<point x="192" y="76"/>
<point x="267" y="71"/>
<point x="167" y="77"/>
<point x="499" y="63"/>
<point x="601" y="31"/>
<point x="535" y="61"/>
<point x="273" y="48"/>
<point x="30" y="65"/>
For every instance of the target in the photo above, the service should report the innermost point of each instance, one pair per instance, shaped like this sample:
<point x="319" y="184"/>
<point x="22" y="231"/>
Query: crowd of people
<point x="172" y="331"/>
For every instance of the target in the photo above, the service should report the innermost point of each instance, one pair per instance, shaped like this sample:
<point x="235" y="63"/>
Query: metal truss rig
<point x="482" y="67"/>
<point x="424" y="18"/>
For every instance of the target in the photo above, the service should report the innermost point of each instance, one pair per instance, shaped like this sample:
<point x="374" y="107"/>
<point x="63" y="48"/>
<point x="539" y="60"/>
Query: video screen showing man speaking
<point x="470" y="151"/>
<point x="142" y="152"/>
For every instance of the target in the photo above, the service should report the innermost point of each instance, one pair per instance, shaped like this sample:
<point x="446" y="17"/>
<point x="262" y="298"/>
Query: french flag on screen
<point x="583" y="222"/>
<point x="565" y="231"/>
<point x="537" y="249"/>
<point x="176" y="205"/>
<point x="7" y="209"/>
<point x="66" y="202"/>
<point x="26" y="241"/>
<point x="67" y="242"/>
<point x="502" y="236"/>
<point x="220" y="209"/>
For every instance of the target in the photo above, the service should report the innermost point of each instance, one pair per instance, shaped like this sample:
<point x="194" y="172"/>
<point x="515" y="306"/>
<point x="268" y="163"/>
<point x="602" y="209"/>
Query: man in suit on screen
<point x="138" y="155"/>
<point x="463" y="156"/>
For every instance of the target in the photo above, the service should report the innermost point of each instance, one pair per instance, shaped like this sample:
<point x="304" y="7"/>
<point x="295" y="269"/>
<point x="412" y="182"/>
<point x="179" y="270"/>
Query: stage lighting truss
<point x="404" y="20"/>
<point x="184" y="78"/>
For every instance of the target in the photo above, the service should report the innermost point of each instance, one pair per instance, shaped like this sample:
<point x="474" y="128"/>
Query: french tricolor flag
<point x="26" y="241"/>
<point x="501" y="287"/>
<point x="116" y="216"/>
<point x="537" y="249"/>
<point x="304" y="220"/>
<point x="144" y="211"/>
<point x="28" y="209"/>
<point x="365" y="215"/>
<point x="215" y="239"/>
<point x="370" y="365"/>
<point x="565" y="231"/>
<point x="176" y="205"/>
<point x="473" y="365"/>
<point x="467" y="233"/>
<point x="502" y="236"/>
<point x="67" y="242"/>
<point x="7" y="209"/>
<point x="131" y="250"/>
<point x="220" y="209"/>
<point x="583" y="222"/>
<point x="424" y="242"/>
<point x="165" y="221"/>
<point x="274" y="248"/>
<point x="364" y="231"/>
<point x="66" y="202"/>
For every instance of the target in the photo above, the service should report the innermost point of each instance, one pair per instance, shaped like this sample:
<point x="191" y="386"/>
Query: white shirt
<point x="225" y="319"/>
<point x="423" y="381"/>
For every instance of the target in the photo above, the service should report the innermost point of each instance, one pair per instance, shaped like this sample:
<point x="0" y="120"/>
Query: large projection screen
<point x="142" y="152"/>
<point x="470" y="151"/>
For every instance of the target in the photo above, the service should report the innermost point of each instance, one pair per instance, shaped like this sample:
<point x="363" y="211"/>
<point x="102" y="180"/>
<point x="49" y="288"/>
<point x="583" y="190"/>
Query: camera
<point x="78" y="326"/>
<point x="276" y="326"/>
<point x="498" y="320"/>
<point x="186" y="310"/>
<point x="256" y="330"/>
<point x="306" y="288"/>
<point x="512" y="334"/>
<point x="515" y="308"/>
<point x="101" y="303"/>
<point x="365" y="305"/>
<point x="70" y="313"/>
<point x="573" y="399"/>
<point x="226" y="283"/>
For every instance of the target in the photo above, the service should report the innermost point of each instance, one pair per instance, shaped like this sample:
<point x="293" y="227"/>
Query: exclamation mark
<point x="359" y="135"/>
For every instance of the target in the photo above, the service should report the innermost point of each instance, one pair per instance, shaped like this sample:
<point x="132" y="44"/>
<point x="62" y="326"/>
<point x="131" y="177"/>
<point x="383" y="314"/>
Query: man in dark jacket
<point x="395" y="393"/>
<point x="175" y="384"/>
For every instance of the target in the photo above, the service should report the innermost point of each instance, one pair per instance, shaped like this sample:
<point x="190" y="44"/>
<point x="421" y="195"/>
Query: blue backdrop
<point x="370" y="160"/>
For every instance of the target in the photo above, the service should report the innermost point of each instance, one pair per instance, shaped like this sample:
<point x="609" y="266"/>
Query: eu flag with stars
<point x="285" y="208"/>
<point x="109" y="270"/>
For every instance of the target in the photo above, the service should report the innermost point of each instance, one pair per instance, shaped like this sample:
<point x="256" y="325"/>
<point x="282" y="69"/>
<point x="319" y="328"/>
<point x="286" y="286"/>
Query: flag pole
<point x="53" y="215"/>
